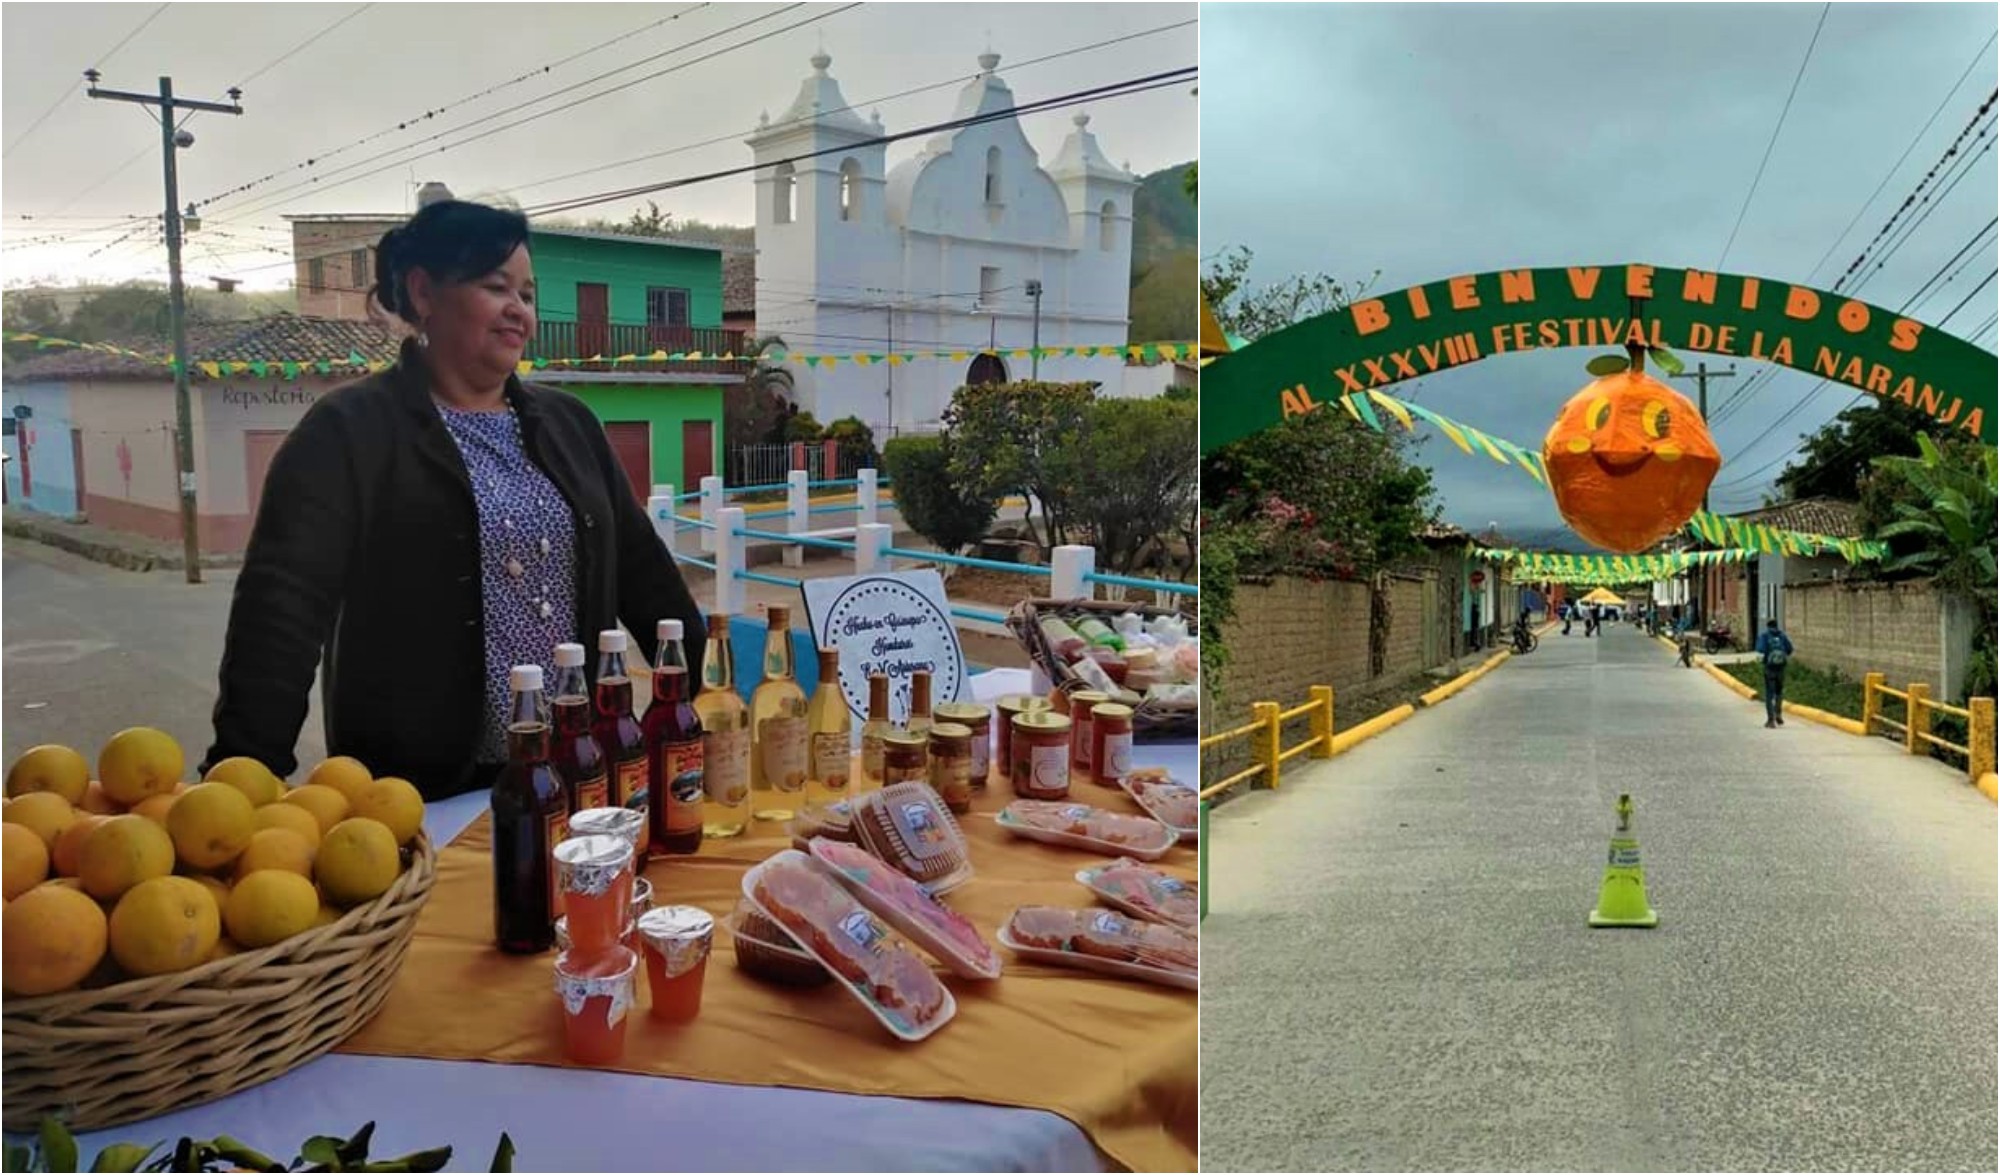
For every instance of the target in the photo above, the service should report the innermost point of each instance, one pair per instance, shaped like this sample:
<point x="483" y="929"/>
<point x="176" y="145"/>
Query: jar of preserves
<point x="951" y="765"/>
<point x="1080" y="705"/>
<point x="1006" y="710"/>
<point x="1111" y="744"/>
<point x="905" y="757"/>
<point x="976" y="718"/>
<point x="1041" y="756"/>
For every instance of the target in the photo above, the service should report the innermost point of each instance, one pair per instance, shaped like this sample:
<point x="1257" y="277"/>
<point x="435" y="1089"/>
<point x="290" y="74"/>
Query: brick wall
<point x="1405" y="652"/>
<point x="1858" y="628"/>
<point x="337" y="246"/>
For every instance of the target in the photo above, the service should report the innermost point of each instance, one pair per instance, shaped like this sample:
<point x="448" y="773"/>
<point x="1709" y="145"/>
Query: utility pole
<point x="172" y="139"/>
<point x="889" y="369"/>
<point x="1701" y="375"/>
<point x="1035" y="355"/>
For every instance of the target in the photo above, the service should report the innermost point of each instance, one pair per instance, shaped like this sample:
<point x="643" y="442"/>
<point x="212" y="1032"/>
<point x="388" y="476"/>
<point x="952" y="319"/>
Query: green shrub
<point x="929" y="500"/>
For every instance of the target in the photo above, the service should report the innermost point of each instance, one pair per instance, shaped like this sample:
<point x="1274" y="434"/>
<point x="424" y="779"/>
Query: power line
<point x="103" y="59"/>
<point x="1944" y="161"/>
<point x="1900" y="159"/>
<point x="301" y="46"/>
<point x="269" y="201"/>
<point x="427" y="115"/>
<point x="1969" y="297"/>
<point x="1123" y="89"/>
<point x="1775" y="132"/>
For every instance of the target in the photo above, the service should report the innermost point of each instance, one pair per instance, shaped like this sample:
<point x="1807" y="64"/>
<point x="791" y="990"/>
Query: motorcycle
<point x="1717" y="638"/>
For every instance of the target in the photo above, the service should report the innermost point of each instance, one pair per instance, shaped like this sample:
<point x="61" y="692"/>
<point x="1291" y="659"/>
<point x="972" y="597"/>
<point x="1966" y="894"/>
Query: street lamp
<point x="1035" y="355"/>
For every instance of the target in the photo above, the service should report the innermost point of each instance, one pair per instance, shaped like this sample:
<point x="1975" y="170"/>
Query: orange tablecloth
<point x="1115" y="1057"/>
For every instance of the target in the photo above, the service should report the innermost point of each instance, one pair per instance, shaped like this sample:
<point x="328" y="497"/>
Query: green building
<point x="600" y="295"/>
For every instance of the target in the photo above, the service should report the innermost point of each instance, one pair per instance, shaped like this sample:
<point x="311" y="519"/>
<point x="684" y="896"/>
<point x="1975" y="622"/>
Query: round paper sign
<point x="887" y="626"/>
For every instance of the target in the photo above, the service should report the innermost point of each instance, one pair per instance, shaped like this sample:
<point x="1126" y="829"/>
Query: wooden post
<point x="1979" y="735"/>
<point x="1322" y="722"/>
<point x="1202" y="873"/>
<point x="1871" y="700"/>
<point x="1266" y="715"/>
<point x="1919" y="722"/>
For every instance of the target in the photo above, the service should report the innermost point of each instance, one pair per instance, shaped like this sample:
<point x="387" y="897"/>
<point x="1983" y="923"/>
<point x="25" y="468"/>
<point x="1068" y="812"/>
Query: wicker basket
<point x="1151" y="720"/>
<point x="105" y="1056"/>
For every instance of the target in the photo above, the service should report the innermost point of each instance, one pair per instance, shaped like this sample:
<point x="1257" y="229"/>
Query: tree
<point x="1252" y="314"/>
<point x="930" y="499"/>
<point x="1019" y="438"/>
<point x="127" y="311"/>
<point x="801" y="426"/>
<point x="855" y="439"/>
<point x="1161" y="310"/>
<point x="754" y="414"/>
<point x="1955" y="521"/>
<point x="1192" y="181"/>
<point x="1834" y="460"/>
<point x="1136" y="477"/>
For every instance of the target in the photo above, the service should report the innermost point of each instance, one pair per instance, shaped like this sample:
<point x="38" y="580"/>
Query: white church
<point x="942" y="252"/>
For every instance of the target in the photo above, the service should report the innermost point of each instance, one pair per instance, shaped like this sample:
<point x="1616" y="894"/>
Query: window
<point x="666" y="306"/>
<point x="359" y="260"/>
<point x="316" y="275"/>
<point x="781" y="194"/>
<point x="850" y="190"/>
<point x="1107" y="227"/>
<point x="993" y="175"/>
<point x="989" y="284"/>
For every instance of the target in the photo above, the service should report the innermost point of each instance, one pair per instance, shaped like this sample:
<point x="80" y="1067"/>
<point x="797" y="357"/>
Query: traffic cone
<point x="1621" y="900"/>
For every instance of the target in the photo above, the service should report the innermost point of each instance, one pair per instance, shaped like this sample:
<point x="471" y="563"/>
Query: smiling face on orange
<point x="1628" y="461"/>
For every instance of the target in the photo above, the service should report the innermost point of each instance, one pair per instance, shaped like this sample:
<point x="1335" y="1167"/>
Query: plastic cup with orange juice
<point x="596" y="993"/>
<point x="594" y="876"/>
<point x="676" y="940"/>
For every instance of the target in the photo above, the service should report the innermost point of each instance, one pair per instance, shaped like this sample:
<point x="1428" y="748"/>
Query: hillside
<point x="1165" y="262"/>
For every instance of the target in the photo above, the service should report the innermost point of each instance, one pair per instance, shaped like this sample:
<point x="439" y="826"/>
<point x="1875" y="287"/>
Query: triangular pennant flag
<point x="1367" y="412"/>
<point x="324" y="366"/>
<point x="959" y="356"/>
<point x="1347" y="402"/>
<point x="258" y="367"/>
<point x="212" y="370"/>
<point x="524" y="367"/>
<point x="291" y="369"/>
<point x="356" y="359"/>
<point x="658" y="356"/>
<point x="1396" y="409"/>
<point x="897" y="360"/>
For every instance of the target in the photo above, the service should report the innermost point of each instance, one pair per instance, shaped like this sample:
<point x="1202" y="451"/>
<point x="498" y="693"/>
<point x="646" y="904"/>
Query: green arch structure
<point x="1382" y="341"/>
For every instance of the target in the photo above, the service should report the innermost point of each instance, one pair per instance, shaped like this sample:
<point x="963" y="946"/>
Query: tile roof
<point x="276" y="339"/>
<point x="1827" y="516"/>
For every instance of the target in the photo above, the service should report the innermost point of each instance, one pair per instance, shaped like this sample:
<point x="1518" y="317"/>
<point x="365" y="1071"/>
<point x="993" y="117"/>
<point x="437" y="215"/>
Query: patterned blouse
<point x="527" y="559"/>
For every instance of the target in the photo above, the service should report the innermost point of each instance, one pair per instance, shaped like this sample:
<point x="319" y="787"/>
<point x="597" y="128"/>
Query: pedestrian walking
<point x="1568" y="615"/>
<point x="1774" y="648"/>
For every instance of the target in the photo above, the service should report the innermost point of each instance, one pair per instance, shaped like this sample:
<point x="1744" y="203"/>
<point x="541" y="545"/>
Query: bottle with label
<point x="725" y="738"/>
<point x="831" y="729"/>
<point x="778" y="726"/>
<point x="530" y="806"/>
<point x="920" y="719"/>
<point x="673" y="749"/>
<point x="575" y="752"/>
<point x="877" y="729"/>
<point x="619" y="735"/>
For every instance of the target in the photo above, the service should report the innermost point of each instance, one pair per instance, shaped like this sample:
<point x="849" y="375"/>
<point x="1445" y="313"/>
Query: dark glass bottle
<point x="576" y="754"/>
<point x="619" y="735"/>
<point x="530" y="817"/>
<point x="674" y="749"/>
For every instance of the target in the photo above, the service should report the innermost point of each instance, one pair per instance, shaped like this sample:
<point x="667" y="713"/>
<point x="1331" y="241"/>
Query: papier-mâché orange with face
<point x="1629" y="459"/>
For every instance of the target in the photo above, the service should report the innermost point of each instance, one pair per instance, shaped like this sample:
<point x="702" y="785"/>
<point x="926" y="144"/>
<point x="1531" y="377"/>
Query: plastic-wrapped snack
<point x="1083" y="827"/>
<point x="910" y="909"/>
<point x="1166" y="799"/>
<point x="1145" y="892"/>
<point x="764" y="950"/>
<point x="908" y="825"/>
<point x="837" y="931"/>
<point x="1099" y="940"/>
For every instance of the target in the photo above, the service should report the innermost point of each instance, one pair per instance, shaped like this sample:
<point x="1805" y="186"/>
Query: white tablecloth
<point x="579" y="1120"/>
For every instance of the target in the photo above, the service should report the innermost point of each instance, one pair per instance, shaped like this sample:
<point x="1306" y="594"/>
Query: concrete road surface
<point x="1397" y="974"/>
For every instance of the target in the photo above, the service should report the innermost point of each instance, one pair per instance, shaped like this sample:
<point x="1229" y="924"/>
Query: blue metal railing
<point x="708" y="563"/>
<point x="964" y="561"/>
<point x="776" y="581"/>
<point x="980" y="614"/>
<point x="1157" y="585"/>
<point x="849" y="508"/>
<point x="801" y="540"/>
<point x="693" y="523"/>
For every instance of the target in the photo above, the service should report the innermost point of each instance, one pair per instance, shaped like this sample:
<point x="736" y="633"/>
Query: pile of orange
<point x="137" y="873"/>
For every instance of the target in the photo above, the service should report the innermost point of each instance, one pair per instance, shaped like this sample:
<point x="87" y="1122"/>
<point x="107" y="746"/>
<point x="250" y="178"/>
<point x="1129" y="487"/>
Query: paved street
<point x="1397" y="974"/>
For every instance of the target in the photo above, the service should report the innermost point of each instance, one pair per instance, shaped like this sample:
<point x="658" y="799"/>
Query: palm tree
<point x="1954" y="521"/>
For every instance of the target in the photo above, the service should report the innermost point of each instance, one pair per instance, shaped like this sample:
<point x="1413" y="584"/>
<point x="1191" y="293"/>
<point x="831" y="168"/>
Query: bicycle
<point x="1525" y="642"/>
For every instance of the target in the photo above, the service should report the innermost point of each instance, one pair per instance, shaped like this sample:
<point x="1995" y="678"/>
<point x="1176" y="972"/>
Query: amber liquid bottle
<point x="778" y="724"/>
<point x="530" y="817"/>
<point x="673" y="749"/>
<point x="618" y="733"/>
<point x="576" y="755"/>
<point x="920" y="720"/>
<point x="725" y="738"/>
<point x="831" y="730"/>
<point x="876" y="729"/>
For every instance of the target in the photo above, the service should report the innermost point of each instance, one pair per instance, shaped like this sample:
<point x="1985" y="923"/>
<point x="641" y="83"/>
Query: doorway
<point x="632" y="444"/>
<point x="697" y="453"/>
<point x="259" y="447"/>
<point x="986" y="369"/>
<point x="593" y="319"/>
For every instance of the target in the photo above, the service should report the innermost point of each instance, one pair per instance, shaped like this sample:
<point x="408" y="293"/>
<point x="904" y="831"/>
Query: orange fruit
<point x="69" y="845"/>
<point x="293" y="817"/>
<point x="162" y="925"/>
<point x="358" y="861"/>
<point x="45" y="812"/>
<point x="211" y="824"/>
<point x="51" y="938"/>
<point x="395" y="802"/>
<point x="342" y="773"/>
<point x="97" y="802"/>
<point x="139" y="762"/>
<point x="327" y="805"/>
<point x="122" y="852"/>
<point x="50" y="768"/>
<point x="24" y="860"/>
<point x="276" y="848"/>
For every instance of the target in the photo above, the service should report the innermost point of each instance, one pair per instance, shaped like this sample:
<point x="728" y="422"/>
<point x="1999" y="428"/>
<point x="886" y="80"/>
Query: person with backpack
<point x="1774" y="648"/>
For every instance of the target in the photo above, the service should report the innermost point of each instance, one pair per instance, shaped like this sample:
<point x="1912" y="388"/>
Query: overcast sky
<point x="1433" y="140"/>
<point x="395" y="61"/>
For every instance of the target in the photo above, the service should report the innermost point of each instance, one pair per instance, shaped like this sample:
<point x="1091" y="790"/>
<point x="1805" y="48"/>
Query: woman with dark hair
<point x="429" y="527"/>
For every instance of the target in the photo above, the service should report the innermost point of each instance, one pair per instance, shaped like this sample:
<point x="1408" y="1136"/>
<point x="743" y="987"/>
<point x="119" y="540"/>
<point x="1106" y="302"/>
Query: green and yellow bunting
<point x="1144" y="353"/>
<point x="1605" y="569"/>
<point x="1369" y="407"/>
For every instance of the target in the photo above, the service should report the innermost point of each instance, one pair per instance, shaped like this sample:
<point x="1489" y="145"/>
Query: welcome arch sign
<point x="1385" y="340"/>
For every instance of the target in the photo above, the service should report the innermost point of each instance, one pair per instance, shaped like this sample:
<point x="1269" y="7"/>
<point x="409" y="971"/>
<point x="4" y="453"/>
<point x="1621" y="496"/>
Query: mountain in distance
<point x="1165" y="258"/>
<point x="1559" y="539"/>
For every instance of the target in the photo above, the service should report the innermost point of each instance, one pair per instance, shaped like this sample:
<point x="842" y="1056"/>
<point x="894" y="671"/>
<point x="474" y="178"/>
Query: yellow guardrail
<point x="1266" y="729"/>
<point x="1915" y="727"/>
